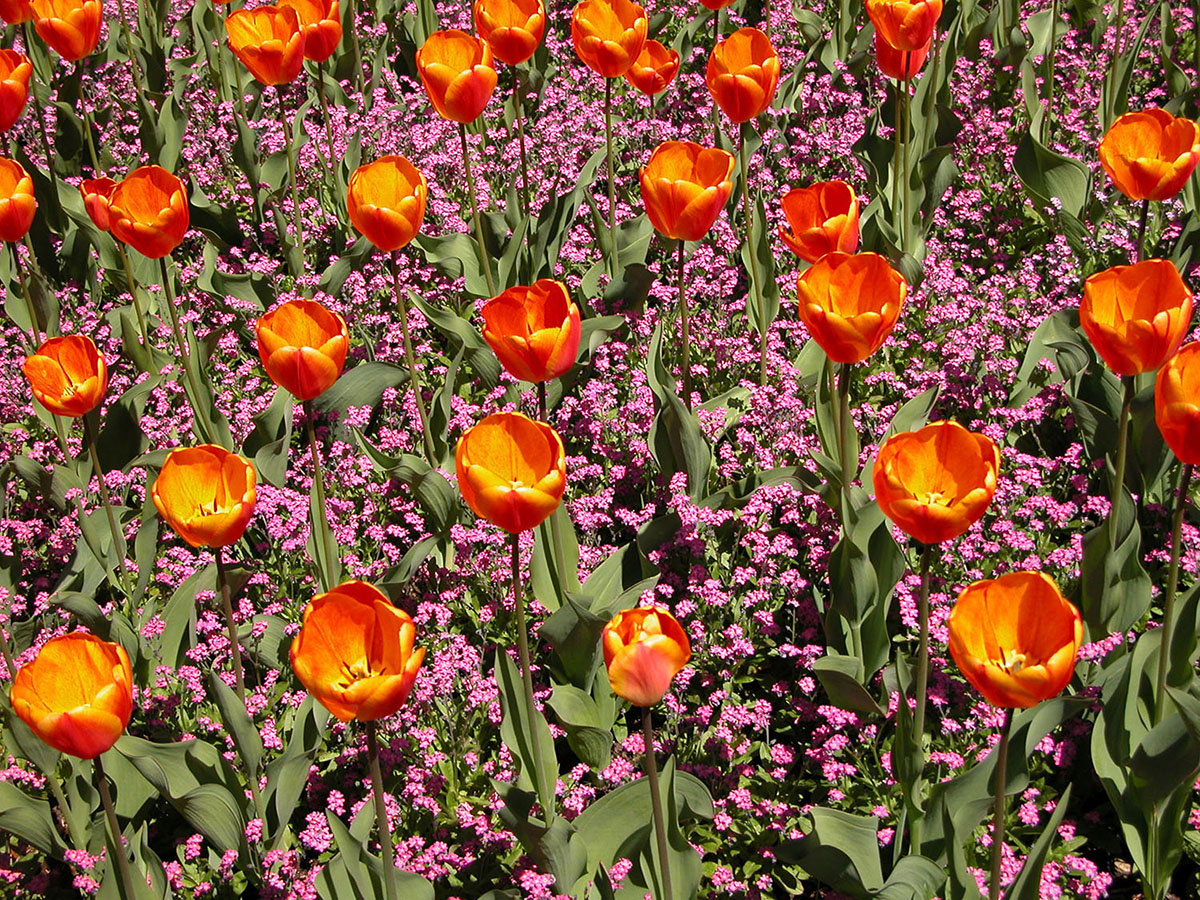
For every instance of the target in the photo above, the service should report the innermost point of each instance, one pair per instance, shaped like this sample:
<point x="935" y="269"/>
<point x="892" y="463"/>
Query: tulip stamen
<point x="1014" y="661"/>
<point x="935" y="498"/>
<point x="360" y="670"/>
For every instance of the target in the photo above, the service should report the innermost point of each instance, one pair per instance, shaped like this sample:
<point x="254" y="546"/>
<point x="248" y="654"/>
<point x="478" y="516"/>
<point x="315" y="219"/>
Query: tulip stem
<point x="291" y="160"/>
<point x="322" y="534"/>
<point x="656" y="805"/>
<point x="34" y="324"/>
<point x="845" y="429"/>
<point x="904" y="186"/>
<point x="716" y="116"/>
<point x="118" y="538"/>
<point x="114" y="829"/>
<point x="1168" y="626"/>
<point x="231" y="625"/>
<point x="683" y="322"/>
<point x="138" y="78"/>
<point x="37" y="108"/>
<point x="87" y="118"/>
<point x="381" y="817"/>
<point x="184" y="356"/>
<point x="1001" y="778"/>
<point x="521" y="139"/>
<point x="137" y="303"/>
<point x="333" y="160"/>
<point x="612" y="197"/>
<point x="547" y="796"/>
<point x="1141" y="233"/>
<point x="411" y="357"/>
<point x="541" y="401"/>
<point x="1118" y="487"/>
<point x="922" y="691"/>
<point x="752" y="268"/>
<point x="483" y="257"/>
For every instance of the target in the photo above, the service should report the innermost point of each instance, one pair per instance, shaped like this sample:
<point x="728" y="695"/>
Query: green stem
<point x="1141" y="233"/>
<point x="1001" y="777"/>
<point x="1118" y="486"/>
<point x="1110" y="105"/>
<point x="352" y="27"/>
<point x="137" y="303"/>
<point x="322" y="533"/>
<point x="114" y="829"/>
<point x="328" y="131"/>
<point x="231" y="625"/>
<point x="381" y="819"/>
<point x="34" y="324"/>
<point x="612" y="201"/>
<point x="687" y="343"/>
<point x="922" y="691"/>
<point x="521" y="139"/>
<point x="181" y="345"/>
<point x="656" y="805"/>
<point x="1050" y="69"/>
<point x="78" y="840"/>
<point x="118" y="538"/>
<point x="897" y="137"/>
<point x="410" y="356"/>
<point x="37" y="109"/>
<point x="845" y="429"/>
<point x="763" y="329"/>
<point x="716" y="114"/>
<point x="905" y="187"/>
<point x="483" y="256"/>
<point x="87" y="119"/>
<point x="138" y="78"/>
<point x="527" y="681"/>
<point x="291" y="160"/>
<point x="1168" y="626"/>
<point x="541" y="401"/>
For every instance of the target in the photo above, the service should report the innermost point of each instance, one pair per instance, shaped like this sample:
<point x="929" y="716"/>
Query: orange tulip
<point x="17" y="203"/>
<point x="1177" y="403"/>
<point x="1015" y="638"/>
<point x="850" y="303"/>
<point x="1136" y="316"/>
<point x="685" y="187"/>
<point x="206" y="494"/>
<point x="77" y="694"/>
<point x="68" y="375"/>
<point x="269" y="41"/>
<point x="71" y="27"/>
<point x="1150" y="155"/>
<point x="96" y="193"/>
<point x="743" y="73"/>
<point x="907" y="25"/>
<point x="891" y="61"/>
<point x="148" y="210"/>
<point x="512" y="470"/>
<point x="386" y="201"/>
<point x="512" y="28"/>
<point x="15" y="70"/>
<point x="937" y="482"/>
<point x="320" y="24"/>
<point x="608" y="35"/>
<point x="14" y="12"/>
<point x="644" y="649"/>
<point x="823" y="218"/>
<point x="534" y="331"/>
<point x="354" y="652"/>
<point x="456" y="69"/>
<point x="303" y="347"/>
<point x="654" y="69"/>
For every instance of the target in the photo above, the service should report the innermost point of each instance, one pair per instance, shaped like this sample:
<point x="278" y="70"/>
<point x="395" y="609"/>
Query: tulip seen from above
<point x="822" y="218"/>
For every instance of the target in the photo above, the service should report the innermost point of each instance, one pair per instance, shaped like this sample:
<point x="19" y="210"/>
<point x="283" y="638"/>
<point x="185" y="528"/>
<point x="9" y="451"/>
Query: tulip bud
<point x="354" y="652"/>
<point x="512" y="28"/>
<point x="1177" y="403"/>
<point x="850" y="303"/>
<point x="742" y="74"/>
<point x="15" y="70"/>
<point x="68" y="375"/>
<point x="303" y="347"/>
<point x="534" y="331"/>
<point x="14" y="12"/>
<point x="71" y="27"/>
<point x="77" y="694"/>
<point x="320" y="25"/>
<point x="512" y="471"/>
<point x="457" y="72"/>
<point x="907" y="25"/>
<point x="654" y="69"/>
<point x="608" y="35"/>
<point x="206" y="494"/>
<point x="96" y="193"/>
<point x="386" y="201"/>
<point x="644" y="649"/>
<point x="148" y="210"/>
<point x="269" y="42"/>
<point x="901" y="65"/>
<point x="1015" y="638"/>
<point x="17" y="203"/>
<point x="823" y="218"/>
<point x="937" y="482"/>
<point x="1150" y="155"/>
<point x="1136" y="316"/>
<point x="685" y="187"/>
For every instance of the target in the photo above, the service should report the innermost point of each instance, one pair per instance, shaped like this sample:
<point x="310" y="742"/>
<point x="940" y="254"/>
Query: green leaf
<point x="29" y="819"/>
<point x="519" y="733"/>
<point x="270" y="441"/>
<point x="839" y="675"/>
<point x="430" y="488"/>
<point x="841" y="850"/>
<point x="238" y="723"/>
<point x="914" y="878"/>
<point x="1114" y="589"/>
<point x="588" y="735"/>
<point x="1058" y="338"/>
<point x="362" y="385"/>
<point x="288" y="773"/>
<point x="677" y="442"/>
<point x="554" y="568"/>
<point x="1028" y="883"/>
<point x="1049" y="176"/>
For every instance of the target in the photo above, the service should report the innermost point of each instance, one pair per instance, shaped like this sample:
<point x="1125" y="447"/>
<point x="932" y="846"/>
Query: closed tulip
<point x="14" y="12"/>
<point x="743" y="73"/>
<point x="71" y="27"/>
<point x="321" y="25"/>
<point x="269" y="41"/>
<point x="608" y="35"/>
<point x="354" y="652"/>
<point x="1150" y="155"/>
<point x="1015" y="638"/>
<point x="644" y="649"/>
<point x="77" y="694"/>
<point x="850" y="303"/>
<point x="15" y="70"/>
<point x="148" y="210"/>
<point x="534" y="330"/>
<point x="303" y="347"/>
<point x="901" y="65"/>
<point x="1136" y="316"/>
<point x="17" y="203"/>
<point x="1177" y="403"/>
<point x="907" y="25"/>
<point x="386" y="201"/>
<point x="457" y="72"/>
<point x="512" y="28"/>
<point x="822" y="219"/>
<point x="68" y="375"/>
<point x="512" y="471"/>
<point x="654" y="69"/>
<point x="96" y="193"/>
<point x="685" y="187"/>
<point x="937" y="482"/>
<point x="206" y="494"/>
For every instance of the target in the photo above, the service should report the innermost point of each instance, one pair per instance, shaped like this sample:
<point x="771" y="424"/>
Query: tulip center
<point x="935" y="498"/>
<point x="357" y="671"/>
<point x="1014" y="661"/>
